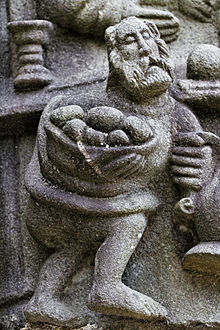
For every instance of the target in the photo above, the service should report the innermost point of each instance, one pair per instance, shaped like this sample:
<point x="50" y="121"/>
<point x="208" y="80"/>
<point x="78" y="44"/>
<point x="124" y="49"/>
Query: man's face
<point x="137" y="60"/>
<point x="135" y="43"/>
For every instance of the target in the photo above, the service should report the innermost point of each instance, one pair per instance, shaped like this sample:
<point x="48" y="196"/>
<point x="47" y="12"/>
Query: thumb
<point x="210" y="138"/>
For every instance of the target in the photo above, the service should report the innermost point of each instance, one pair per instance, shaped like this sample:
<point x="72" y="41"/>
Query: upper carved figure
<point x="94" y="16"/>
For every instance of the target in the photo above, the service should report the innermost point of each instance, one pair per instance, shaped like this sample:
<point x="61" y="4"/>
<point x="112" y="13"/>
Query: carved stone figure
<point x="95" y="16"/>
<point x="201" y="208"/>
<point x="91" y="18"/>
<point x="176" y="261"/>
<point x="93" y="178"/>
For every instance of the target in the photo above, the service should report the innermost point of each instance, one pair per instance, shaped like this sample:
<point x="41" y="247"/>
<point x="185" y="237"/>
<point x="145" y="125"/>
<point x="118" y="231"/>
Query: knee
<point x="132" y="224"/>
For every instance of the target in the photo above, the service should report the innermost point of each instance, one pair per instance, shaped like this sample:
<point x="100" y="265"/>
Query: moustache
<point x="159" y="62"/>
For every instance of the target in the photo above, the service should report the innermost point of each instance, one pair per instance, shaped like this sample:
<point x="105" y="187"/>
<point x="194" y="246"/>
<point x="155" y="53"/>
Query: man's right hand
<point x="124" y="167"/>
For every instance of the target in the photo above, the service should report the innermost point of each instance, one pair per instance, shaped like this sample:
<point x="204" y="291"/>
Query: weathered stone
<point x="123" y="220"/>
<point x="118" y="138"/>
<point x="137" y="129"/>
<point x="95" y="17"/>
<point x="105" y="119"/>
<point x="74" y="129"/>
<point x="30" y="36"/>
<point x="81" y="187"/>
<point x="204" y="63"/>
<point x="60" y="116"/>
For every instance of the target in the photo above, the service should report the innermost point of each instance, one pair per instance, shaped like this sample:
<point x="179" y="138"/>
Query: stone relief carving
<point x="93" y="178"/>
<point x="30" y="36"/>
<point x="95" y="16"/>
<point x="174" y="267"/>
<point x="201" y="10"/>
<point x="201" y="207"/>
<point x="92" y="18"/>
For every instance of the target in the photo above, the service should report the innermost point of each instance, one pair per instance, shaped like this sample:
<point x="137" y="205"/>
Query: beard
<point x="147" y="78"/>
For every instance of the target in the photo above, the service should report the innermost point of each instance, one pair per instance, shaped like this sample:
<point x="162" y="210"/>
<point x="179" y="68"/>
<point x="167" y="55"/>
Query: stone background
<point x="80" y="66"/>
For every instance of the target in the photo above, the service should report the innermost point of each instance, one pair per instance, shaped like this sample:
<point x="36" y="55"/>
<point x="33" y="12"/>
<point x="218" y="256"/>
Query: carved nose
<point x="144" y="48"/>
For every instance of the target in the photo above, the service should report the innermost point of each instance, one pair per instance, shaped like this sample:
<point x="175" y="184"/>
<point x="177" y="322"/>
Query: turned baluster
<point x="31" y="36"/>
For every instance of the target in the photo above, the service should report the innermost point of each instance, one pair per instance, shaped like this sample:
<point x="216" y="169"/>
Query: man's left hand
<point x="192" y="163"/>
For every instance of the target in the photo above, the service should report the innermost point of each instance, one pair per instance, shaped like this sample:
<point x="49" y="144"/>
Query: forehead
<point x="131" y="29"/>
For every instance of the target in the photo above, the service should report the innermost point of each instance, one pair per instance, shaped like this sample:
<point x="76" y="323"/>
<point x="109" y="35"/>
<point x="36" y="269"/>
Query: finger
<point x="169" y="38"/>
<point x="188" y="139"/>
<point x="146" y="2"/>
<point x="168" y="32"/>
<point x="199" y="15"/>
<point x="210" y="138"/>
<point x="188" y="151"/>
<point x="180" y="160"/>
<point x="148" y="13"/>
<point x="135" y="170"/>
<point x="119" y="162"/>
<point x="187" y="171"/>
<point x="190" y="183"/>
<point x="162" y="23"/>
<point x="205" y="9"/>
<point x="122" y="172"/>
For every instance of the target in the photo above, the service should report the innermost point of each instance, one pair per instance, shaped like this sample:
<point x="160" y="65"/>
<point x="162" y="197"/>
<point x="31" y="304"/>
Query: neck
<point x="120" y="93"/>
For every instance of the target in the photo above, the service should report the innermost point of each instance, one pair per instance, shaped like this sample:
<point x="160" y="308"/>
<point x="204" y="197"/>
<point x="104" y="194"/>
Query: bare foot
<point x="120" y="300"/>
<point x="51" y="310"/>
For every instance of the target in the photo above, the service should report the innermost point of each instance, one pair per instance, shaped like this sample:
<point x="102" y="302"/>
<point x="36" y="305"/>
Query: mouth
<point x="154" y="69"/>
<point x="145" y="62"/>
<point x="158" y="73"/>
<point x="156" y="80"/>
<point x="151" y="64"/>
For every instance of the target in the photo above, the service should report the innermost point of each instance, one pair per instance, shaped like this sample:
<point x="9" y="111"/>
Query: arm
<point x="191" y="154"/>
<point x="192" y="162"/>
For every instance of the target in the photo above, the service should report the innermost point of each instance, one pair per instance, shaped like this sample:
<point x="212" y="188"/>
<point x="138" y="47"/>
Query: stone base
<point x="123" y="325"/>
<point x="44" y="326"/>
<point x="204" y="258"/>
<point x="33" y="78"/>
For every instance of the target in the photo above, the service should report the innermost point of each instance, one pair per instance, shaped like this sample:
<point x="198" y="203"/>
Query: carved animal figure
<point x="90" y="194"/>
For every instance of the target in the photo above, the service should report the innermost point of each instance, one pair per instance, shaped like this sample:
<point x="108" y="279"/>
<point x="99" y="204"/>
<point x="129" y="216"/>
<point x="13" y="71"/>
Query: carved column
<point x="30" y="37"/>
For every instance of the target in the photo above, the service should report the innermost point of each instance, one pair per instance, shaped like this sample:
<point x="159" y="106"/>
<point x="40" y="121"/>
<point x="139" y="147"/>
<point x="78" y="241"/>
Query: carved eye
<point x="145" y="35"/>
<point x="129" y="40"/>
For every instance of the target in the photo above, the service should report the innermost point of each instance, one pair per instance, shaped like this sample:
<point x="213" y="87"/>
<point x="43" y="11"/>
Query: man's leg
<point x="46" y="304"/>
<point x="109" y="295"/>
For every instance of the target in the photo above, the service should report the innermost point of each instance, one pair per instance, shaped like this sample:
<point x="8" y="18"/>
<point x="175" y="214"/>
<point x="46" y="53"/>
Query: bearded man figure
<point x="139" y="59"/>
<point x="103" y="173"/>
